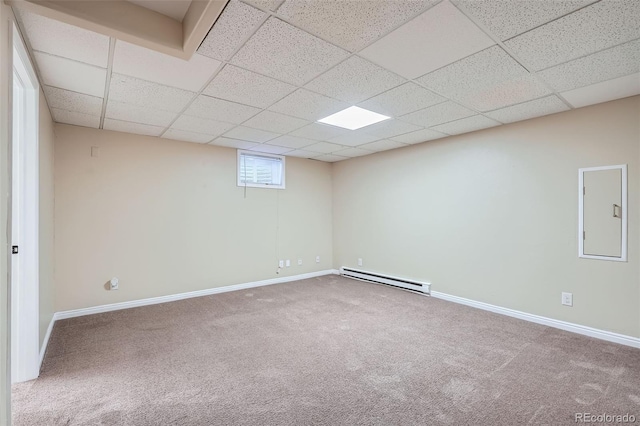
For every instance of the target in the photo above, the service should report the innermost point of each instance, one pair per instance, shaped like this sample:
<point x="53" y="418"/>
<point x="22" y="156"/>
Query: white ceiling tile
<point x="291" y="142"/>
<point x="308" y="105"/>
<point x="201" y="125"/>
<point x="319" y="131"/>
<point x="287" y="53"/>
<point x="434" y="39"/>
<point x="60" y="39"/>
<point x="143" y="93"/>
<point x="75" y="118"/>
<point x="605" y="91"/>
<point x="389" y="128"/>
<point x="135" y="128"/>
<point x="247" y="87"/>
<point x="301" y="153"/>
<point x="186" y="136"/>
<point x="324" y="147"/>
<point x="237" y="22"/>
<point x="482" y="69"/>
<point x="531" y="109"/>
<point x="353" y="152"/>
<point x="469" y="124"/>
<point x="596" y="27"/>
<point x="270" y="149"/>
<point x="382" y="145"/>
<point x="351" y="24"/>
<point x="506" y="19"/>
<point x="72" y="101"/>
<point x="275" y="122"/>
<point x="265" y="4"/>
<point x="605" y="65"/>
<point x="329" y="158"/>
<point x="419" y="136"/>
<point x="402" y="100"/>
<point x="510" y="92"/>
<point x="485" y="81"/>
<point x="354" y="138"/>
<point x="136" y="61"/>
<point x="438" y="114"/>
<point x="137" y="114"/>
<point x="233" y="143"/>
<point x="71" y="75"/>
<point x="354" y="80"/>
<point x="250" y="135"/>
<point x="221" y="110"/>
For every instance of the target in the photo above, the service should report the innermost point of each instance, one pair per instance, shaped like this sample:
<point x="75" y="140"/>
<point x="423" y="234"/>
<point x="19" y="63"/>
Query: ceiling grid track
<point x="223" y="64"/>
<point x="514" y="56"/>
<point x="107" y="85"/>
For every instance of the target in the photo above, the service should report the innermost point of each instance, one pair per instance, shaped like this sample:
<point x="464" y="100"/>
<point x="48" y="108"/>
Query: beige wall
<point x="492" y="215"/>
<point x="167" y="217"/>
<point x="46" y="224"/>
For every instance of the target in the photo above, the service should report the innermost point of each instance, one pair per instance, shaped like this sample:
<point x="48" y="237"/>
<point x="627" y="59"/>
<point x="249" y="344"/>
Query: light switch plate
<point x="567" y="299"/>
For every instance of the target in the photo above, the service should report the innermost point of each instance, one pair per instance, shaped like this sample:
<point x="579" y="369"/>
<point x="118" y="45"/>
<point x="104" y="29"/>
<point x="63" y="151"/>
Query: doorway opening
<point x="25" y="339"/>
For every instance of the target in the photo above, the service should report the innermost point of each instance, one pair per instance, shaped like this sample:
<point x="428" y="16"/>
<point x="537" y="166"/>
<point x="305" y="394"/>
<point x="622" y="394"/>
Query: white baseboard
<point x="173" y="297"/>
<point x="563" y="325"/>
<point x="43" y="348"/>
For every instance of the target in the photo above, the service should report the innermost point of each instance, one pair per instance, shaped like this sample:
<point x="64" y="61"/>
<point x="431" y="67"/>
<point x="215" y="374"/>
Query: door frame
<point x="623" y="251"/>
<point x="25" y="283"/>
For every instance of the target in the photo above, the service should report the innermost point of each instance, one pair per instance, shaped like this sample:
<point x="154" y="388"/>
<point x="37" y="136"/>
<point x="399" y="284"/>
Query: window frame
<point x="282" y="158"/>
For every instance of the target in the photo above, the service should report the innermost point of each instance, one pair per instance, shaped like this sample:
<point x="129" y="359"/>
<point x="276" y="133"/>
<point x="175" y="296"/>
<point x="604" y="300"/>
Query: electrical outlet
<point x="359" y="262"/>
<point x="317" y="259"/>
<point x="281" y="264"/>
<point x="114" y="283"/>
<point x="567" y="299"/>
<point x="288" y="263"/>
<point x="299" y="262"/>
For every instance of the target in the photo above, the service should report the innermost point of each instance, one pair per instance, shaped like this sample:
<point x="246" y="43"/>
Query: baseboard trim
<point x="180" y="296"/>
<point x="45" y="343"/>
<point x="562" y="325"/>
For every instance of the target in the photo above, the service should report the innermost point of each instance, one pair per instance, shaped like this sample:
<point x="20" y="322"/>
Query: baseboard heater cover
<point x="375" y="277"/>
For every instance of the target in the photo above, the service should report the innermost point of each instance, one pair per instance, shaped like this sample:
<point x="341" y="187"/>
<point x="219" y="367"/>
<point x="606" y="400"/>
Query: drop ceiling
<point x="270" y="69"/>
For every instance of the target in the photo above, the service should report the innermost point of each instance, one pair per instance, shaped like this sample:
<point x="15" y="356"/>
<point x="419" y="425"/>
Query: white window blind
<point x="260" y="170"/>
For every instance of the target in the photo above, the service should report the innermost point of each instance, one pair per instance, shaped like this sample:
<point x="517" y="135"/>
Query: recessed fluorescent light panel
<point x="353" y="118"/>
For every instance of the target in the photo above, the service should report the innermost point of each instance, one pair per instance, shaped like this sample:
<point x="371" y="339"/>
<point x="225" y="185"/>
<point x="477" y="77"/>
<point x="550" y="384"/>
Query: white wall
<point x="492" y="215"/>
<point x="46" y="220"/>
<point x="167" y="217"/>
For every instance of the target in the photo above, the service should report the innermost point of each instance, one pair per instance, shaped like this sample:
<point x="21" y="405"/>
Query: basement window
<point x="260" y="170"/>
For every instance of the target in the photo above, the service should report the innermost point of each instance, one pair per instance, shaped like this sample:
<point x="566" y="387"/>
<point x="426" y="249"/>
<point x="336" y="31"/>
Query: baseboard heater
<point x="374" y="277"/>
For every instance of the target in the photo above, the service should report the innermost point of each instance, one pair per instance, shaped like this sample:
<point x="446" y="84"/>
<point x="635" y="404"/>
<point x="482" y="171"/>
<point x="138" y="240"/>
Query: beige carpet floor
<point x="325" y="351"/>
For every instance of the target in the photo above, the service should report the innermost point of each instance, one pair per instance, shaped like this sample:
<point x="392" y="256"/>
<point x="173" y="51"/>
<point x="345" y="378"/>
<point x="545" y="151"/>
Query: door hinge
<point x="14" y="249"/>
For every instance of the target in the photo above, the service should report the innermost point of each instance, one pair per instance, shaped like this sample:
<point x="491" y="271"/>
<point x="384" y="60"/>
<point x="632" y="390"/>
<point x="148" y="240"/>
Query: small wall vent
<point x="375" y="277"/>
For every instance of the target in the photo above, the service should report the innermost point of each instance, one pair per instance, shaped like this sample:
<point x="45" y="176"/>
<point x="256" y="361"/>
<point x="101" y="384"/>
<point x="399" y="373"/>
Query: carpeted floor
<point x="326" y="351"/>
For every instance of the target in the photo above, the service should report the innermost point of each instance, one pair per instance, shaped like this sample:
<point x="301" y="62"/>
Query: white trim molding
<point x="623" y="249"/>
<point x="180" y="296"/>
<point x="25" y="329"/>
<point x="45" y="342"/>
<point x="562" y="325"/>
